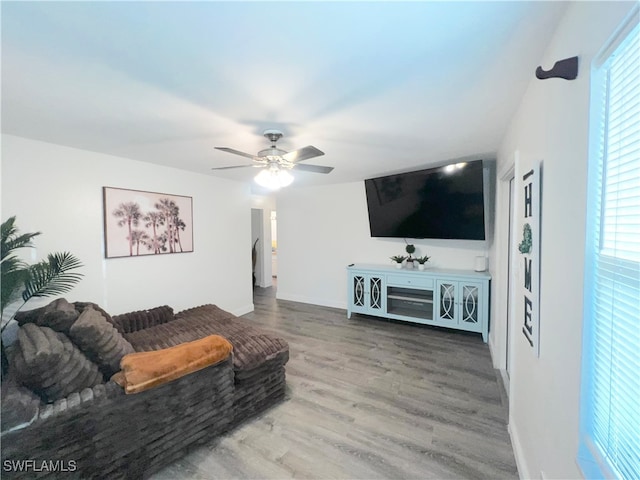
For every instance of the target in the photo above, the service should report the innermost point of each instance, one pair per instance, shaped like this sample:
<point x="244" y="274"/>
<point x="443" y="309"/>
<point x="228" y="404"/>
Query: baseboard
<point x="311" y="300"/>
<point x="521" y="462"/>
<point x="500" y="365"/>
<point x="494" y="360"/>
<point x="506" y="381"/>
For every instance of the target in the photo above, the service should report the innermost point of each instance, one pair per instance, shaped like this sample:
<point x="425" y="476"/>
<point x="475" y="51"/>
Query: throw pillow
<point x="59" y="315"/>
<point x="50" y="364"/>
<point x="144" y="370"/>
<point x="80" y="306"/>
<point x="99" y="340"/>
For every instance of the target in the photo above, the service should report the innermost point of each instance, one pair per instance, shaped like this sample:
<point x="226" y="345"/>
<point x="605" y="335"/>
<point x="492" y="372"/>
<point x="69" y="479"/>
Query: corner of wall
<point x="238" y="312"/>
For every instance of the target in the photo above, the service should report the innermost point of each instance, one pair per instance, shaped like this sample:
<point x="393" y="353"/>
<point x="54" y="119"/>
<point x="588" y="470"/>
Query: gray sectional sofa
<point x="63" y="417"/>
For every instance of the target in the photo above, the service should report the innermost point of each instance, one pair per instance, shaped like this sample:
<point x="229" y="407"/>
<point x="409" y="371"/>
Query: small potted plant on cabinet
<point x="421" y="261"/>
<point x="398" y="259"/>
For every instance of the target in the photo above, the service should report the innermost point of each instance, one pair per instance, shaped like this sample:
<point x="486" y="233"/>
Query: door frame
<point x="262" y="230"/>
<point x="507" y="238"/>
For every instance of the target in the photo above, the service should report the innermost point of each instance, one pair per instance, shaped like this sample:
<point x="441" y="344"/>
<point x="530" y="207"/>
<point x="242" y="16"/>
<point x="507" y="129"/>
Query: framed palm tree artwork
<point x="138" y="223"/>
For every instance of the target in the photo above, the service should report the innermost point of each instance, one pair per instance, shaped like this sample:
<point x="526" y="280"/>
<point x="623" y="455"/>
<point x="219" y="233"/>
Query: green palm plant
<point x="22" y="282"/>
<point x="14" y="271"/>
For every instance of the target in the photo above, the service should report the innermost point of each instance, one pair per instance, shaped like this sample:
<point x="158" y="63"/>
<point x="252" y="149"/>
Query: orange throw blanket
<point x="144" y="370"/>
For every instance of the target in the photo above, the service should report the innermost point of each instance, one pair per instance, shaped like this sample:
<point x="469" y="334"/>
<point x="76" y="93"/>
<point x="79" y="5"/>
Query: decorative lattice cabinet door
<point x="459" y="303"/>
<point x="366" y="293"/>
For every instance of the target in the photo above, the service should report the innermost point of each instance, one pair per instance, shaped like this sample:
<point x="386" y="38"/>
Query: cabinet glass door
<point x="358" y="291"/>
<point x="366" y="292"/>
<point x="375" y="293"/>
<point x="447" y="301"/>
<point x="470" y="295"/>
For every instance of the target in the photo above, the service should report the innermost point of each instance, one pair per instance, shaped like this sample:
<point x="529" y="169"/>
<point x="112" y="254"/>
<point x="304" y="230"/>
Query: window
<point x="610" y="400"/>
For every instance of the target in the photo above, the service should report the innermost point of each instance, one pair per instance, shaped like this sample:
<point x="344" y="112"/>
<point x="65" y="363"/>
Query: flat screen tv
<point x="441" y="203"/>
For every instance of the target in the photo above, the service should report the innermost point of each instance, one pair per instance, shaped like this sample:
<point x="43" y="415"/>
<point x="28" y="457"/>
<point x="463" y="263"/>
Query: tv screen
<point x="445" y="202"/>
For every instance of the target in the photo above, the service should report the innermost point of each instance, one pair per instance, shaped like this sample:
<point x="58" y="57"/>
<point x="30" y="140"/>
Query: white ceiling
<point x="379" y="87"/>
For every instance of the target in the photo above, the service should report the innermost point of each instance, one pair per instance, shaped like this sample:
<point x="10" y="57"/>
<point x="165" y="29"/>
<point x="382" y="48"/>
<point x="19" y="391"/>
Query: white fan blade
<point x="238" y="152"/>
<point x="312" y="168"/>
<point x="301" y="154"/>
<point x="234" y="166"/>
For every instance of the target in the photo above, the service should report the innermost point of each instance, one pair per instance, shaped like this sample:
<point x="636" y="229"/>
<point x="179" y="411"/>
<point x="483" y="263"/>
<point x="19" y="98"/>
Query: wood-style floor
<point x="367" y="399"/>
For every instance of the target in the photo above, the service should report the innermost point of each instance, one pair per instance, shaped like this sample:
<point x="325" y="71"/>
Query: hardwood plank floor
<point x="366" y="399"/>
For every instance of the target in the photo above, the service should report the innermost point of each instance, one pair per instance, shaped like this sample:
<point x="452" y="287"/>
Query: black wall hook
<point x="567" y="69"/>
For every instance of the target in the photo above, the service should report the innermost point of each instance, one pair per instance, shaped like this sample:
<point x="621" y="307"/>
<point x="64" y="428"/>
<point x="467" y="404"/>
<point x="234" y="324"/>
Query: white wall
<point x="58" y="191"/>
<point x="551" y="125"/>
<point x="323" y="229"/>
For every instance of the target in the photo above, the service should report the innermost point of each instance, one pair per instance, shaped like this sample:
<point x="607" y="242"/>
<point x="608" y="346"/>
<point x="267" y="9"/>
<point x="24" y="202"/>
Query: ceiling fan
<point x="276" y="163"/>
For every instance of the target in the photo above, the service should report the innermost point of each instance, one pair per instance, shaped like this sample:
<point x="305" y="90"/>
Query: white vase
<point x="421" y="266"/>
<point x="398" y="265"/>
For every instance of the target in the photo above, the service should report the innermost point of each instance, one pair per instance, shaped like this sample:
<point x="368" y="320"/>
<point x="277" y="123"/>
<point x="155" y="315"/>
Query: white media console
<point x="440" y="297"/>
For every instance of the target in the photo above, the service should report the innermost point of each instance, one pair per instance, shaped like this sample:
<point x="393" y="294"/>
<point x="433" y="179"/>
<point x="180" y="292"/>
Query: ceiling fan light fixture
<point x="277" y="162"/>
<point x="274" y="178"/>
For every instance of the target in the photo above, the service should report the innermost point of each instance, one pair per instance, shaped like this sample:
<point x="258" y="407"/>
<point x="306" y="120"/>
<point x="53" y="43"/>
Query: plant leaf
<point x="11" y="264"/>
<point x="10" y="240"/>
<point x="12" y="284"/>
<point x="52" y="277"/>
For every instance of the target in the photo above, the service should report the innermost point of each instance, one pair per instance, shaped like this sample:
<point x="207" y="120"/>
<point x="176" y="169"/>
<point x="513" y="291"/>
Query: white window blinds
<point x="610" y="404"/>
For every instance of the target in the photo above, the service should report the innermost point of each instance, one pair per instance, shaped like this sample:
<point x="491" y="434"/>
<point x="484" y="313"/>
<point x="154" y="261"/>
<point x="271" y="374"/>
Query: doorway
<point x="264" y="229"/>
<point x="274" y="247"/>
<point x="261" y="248"/>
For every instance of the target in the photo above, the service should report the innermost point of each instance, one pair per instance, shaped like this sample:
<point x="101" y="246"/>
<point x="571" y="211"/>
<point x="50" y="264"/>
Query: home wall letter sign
<point x="528" y="247"/>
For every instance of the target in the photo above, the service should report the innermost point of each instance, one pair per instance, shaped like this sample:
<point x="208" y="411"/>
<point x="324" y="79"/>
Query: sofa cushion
<point x="99" y="340"/>
<point x="252" y="347"/>
<point x="134" y="321"/>
<point x="50" y="364"/>
<point x="212" y="312"/>
<point x="145" y="370"/>
<point x="58" y="315"/>
<point x="80" y="307"/>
